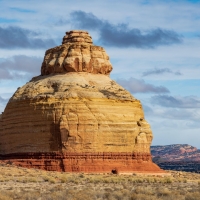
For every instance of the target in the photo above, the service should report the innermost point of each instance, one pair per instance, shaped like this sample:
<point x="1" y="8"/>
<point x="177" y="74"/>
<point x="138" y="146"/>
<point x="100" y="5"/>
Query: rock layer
<point x="76" y="119"/>
<point x="76" y="54"/>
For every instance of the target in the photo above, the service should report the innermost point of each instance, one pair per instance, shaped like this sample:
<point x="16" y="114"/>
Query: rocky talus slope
<point x="74" y="118"/>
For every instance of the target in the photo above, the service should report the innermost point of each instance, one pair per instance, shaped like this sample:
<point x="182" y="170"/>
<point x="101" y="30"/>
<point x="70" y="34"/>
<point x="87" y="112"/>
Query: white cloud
<point x="139" y="86"/>
<point x="176" y="102"/>
<point x="20" y="66"/>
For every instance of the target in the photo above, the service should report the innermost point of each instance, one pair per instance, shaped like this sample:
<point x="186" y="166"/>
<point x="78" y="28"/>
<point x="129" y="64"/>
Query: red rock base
<point x="85" y="162"/>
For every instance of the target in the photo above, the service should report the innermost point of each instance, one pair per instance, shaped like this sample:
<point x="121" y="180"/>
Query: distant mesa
<point x="176" y="152"/>
<point x="74" y="118"/>
<point x="180" y="157"/>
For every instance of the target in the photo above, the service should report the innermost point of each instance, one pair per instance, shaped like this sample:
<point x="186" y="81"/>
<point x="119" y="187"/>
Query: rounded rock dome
<point x="74" y="118"/>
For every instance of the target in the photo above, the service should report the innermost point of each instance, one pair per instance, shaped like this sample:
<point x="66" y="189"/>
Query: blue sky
<point x="154" y="47"/>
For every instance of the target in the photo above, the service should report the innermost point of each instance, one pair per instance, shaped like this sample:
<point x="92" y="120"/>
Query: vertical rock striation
<point x="74" y="118"/>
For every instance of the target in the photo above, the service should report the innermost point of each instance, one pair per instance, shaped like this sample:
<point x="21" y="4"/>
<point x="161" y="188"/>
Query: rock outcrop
<point x="76" y="54"/>
<point x="74" y="118"/>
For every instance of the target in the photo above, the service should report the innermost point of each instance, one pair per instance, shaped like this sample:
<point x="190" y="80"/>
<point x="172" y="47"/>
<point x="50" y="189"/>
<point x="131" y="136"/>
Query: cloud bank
<point x="15" y="37"/>
<point x="139" y="86"/>
<point x="176" y="102"/>
<point x="120" y="35"/>
<point x="157" y="71"/>
<point x="20" y="66"/>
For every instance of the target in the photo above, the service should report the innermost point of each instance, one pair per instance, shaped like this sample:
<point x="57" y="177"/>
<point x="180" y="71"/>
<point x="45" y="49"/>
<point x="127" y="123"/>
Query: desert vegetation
<point x="21" y="183"/>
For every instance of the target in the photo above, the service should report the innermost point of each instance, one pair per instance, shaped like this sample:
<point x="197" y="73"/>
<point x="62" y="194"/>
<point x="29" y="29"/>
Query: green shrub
<point x="167" y="180"/>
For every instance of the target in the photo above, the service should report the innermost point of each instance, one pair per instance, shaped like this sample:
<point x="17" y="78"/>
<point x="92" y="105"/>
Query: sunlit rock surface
<point x="74" y="118"/>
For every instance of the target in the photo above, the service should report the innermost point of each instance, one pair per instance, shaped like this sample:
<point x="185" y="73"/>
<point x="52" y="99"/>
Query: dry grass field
<point x="21" y="183"/>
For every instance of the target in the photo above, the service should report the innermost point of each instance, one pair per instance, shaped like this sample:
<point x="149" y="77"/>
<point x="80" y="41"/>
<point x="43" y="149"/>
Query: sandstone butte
<point x="74" y="118"/>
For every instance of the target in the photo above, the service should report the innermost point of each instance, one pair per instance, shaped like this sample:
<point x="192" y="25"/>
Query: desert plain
<point x="23" y="183"/>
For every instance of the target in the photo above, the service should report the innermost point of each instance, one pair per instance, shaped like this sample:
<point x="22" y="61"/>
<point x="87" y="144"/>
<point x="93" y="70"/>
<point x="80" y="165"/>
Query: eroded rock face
<point x="76" y="119"/>
<point x="76" y="54"/>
